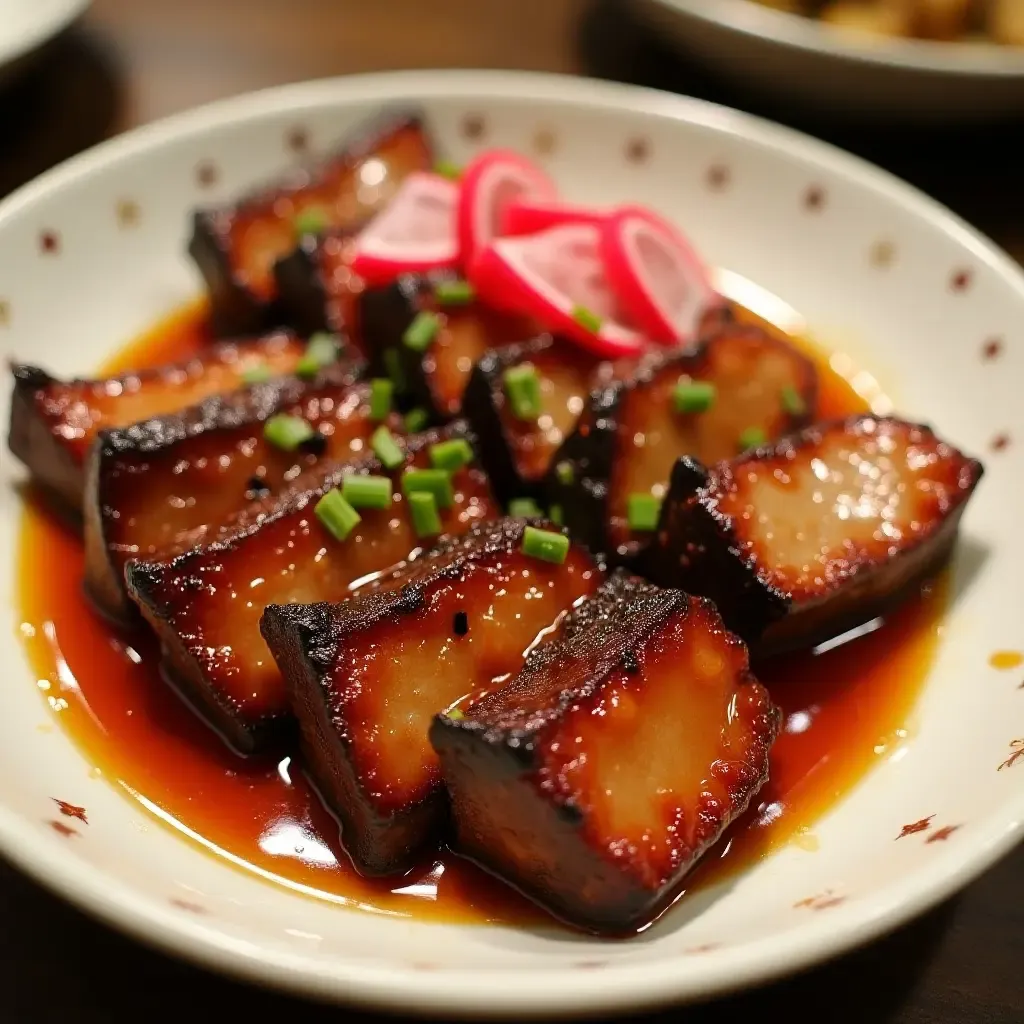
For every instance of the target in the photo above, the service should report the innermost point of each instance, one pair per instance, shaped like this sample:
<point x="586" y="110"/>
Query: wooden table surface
<point x="131" y="61"/>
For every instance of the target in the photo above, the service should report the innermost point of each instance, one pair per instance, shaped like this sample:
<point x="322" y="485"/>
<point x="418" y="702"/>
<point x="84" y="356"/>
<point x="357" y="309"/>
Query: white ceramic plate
<point x="26" y="24"/>
<point x="882" y="274"/>
<point x="792" y="57"/>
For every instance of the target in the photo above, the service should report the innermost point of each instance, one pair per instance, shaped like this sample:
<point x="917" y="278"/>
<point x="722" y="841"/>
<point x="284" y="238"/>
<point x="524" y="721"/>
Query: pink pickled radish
<point x="415" y="232"/>
<point x="558" y="278"/>
<point x="489" y="183"/>
<point x="660" y="280"/>
<point x="527" y="216"/>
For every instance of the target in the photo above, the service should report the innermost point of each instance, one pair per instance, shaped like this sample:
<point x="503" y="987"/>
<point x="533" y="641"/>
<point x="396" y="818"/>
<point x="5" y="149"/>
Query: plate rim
<point x="41" y="31"/>
<point x="448" y="991"/>
<point x="756" y="21"/>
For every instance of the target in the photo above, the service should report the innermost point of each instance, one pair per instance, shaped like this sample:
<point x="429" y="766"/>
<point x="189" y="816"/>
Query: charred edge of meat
<point x="480" y="407"/>
<point x="301" y="290"/>
<point x="33" y="443"/>
<point x="234" y="309"/>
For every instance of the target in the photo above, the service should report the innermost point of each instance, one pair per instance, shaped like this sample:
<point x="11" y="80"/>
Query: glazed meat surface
<point x="53" y="422"/>
<point x="236" y="247"/>
<point x="597" y="777"/>
<point x="366" y="676"/>
<point x="158" y="487"/>
<point x="799" y="541"/>
<point x="205" y="605"/>
<point x="633" y="431"/>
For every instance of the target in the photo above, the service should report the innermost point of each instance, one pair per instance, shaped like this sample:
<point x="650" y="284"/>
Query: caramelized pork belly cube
<point x="205" y="605"/>
<point x="236" y="247"/>
<point x="800" y="541"/>
<point x="366" y="676"/>
<point x="53" y="422"/>
<point x="740" y="386"/>
<point x="518" y="449"/>
<point x="598" y="776"/>
<point x="159" y="487"/>
<point x="435" y="378"/>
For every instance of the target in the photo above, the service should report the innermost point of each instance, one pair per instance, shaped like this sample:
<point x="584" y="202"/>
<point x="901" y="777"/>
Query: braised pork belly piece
<point x="205" y="604"/>
<point x="158" y="487"/>
<point x="596" y="778"/>
<point x="366" y="676"/>
<point x="236" y="247"/>
<point x="741" y="387"/>
<point x="53" y="422"/>
<point x="800" y="541"/>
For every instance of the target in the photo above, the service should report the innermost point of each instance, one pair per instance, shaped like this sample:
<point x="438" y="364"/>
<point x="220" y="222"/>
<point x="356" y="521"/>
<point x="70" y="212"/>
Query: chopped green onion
<point x="386" y="448"/>
<point x="415" y="420"/>
<point x="752" y="437"/>
<point x="394" y="368"/>
<point x="435" y="481"/>
<point x="381" y="390"/>
<point x="366" y="491"/>
<point x="564" y="472"/>
<point x="454" y="293"/>
<point x="256" y="374"/>
<point x="421" y="332"/>
<point x="451" y="455"/>
<point x="287" y="432"/>
<point x="455" y="714"/>
<point x="524" y="508"/>
<point x="642" y="511"/>
<point x="587" y="319"/>
<point x="792" y="401"/>
<point x="321" y="351"/>
<point x="448" y="169"/>
<point x="336" y="514"/>
<point x="555" y="514"/>
<point x="425" y="518"/>
<point x="522" y="385"/>
<point x="545" y="545"/>
<point x="692" y="396"/>
<point x="311" y="221"/>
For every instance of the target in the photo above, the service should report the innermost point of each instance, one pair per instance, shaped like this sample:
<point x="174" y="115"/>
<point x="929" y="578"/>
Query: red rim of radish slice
<point x="489" y="183"/>
<point x="528" y="216"/>
<point x="415" y="232"/>
<point x="660" y="280"/>
<point x="558" y="278"/>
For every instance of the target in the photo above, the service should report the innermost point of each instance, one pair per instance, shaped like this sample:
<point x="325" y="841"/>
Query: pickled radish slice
<point x="528" y="216"/>
<point x="557" y="277"/>
<point x="416" y="231"/>
<point x="490" y="182"/>
<point x="660" y="280"/>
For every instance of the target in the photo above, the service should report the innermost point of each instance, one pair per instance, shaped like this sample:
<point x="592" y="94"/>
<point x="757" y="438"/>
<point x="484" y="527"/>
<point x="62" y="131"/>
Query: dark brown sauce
<point x="845" y="710"/>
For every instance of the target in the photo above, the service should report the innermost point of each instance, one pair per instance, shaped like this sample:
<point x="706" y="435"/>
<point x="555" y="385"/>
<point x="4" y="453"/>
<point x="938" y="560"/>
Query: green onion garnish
<point x="455" y="714"/>
<point x="454" y="293"/>
<point x="415" y="420"/>
<point x="524" y="508"/>
<point x="451" y="455"/>
<point x="435" y="481"/>
<point x="311" y="221"/>
<point x="321" y="351"/>
<point x="366" y="491"/>
<point x="287" y="432"/>
<point x="381" y="390"/>
<point x="642" y="511"/>
<point x="425" y="518"/>
<point x="692" y="396"/>
<point x="448" y="169"/>
<point x="752" y="437"/>
<point x="587" y="319"/>
<point x="545" y="545"/>
<point x="564" y="472"/>
<point x="336" y="514"/>
<point x="522" y="385"/>
<point x="555" y="514"/>
<point x="394" y="368"/>
<point x="386" y="448"/>
<point x="256" y="374"/>
<point x="421" y="332"/>
<point x="792" y="401"/>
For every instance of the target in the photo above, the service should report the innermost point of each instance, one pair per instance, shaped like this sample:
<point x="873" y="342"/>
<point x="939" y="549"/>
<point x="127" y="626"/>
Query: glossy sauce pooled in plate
<point x="845" y="707"/>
